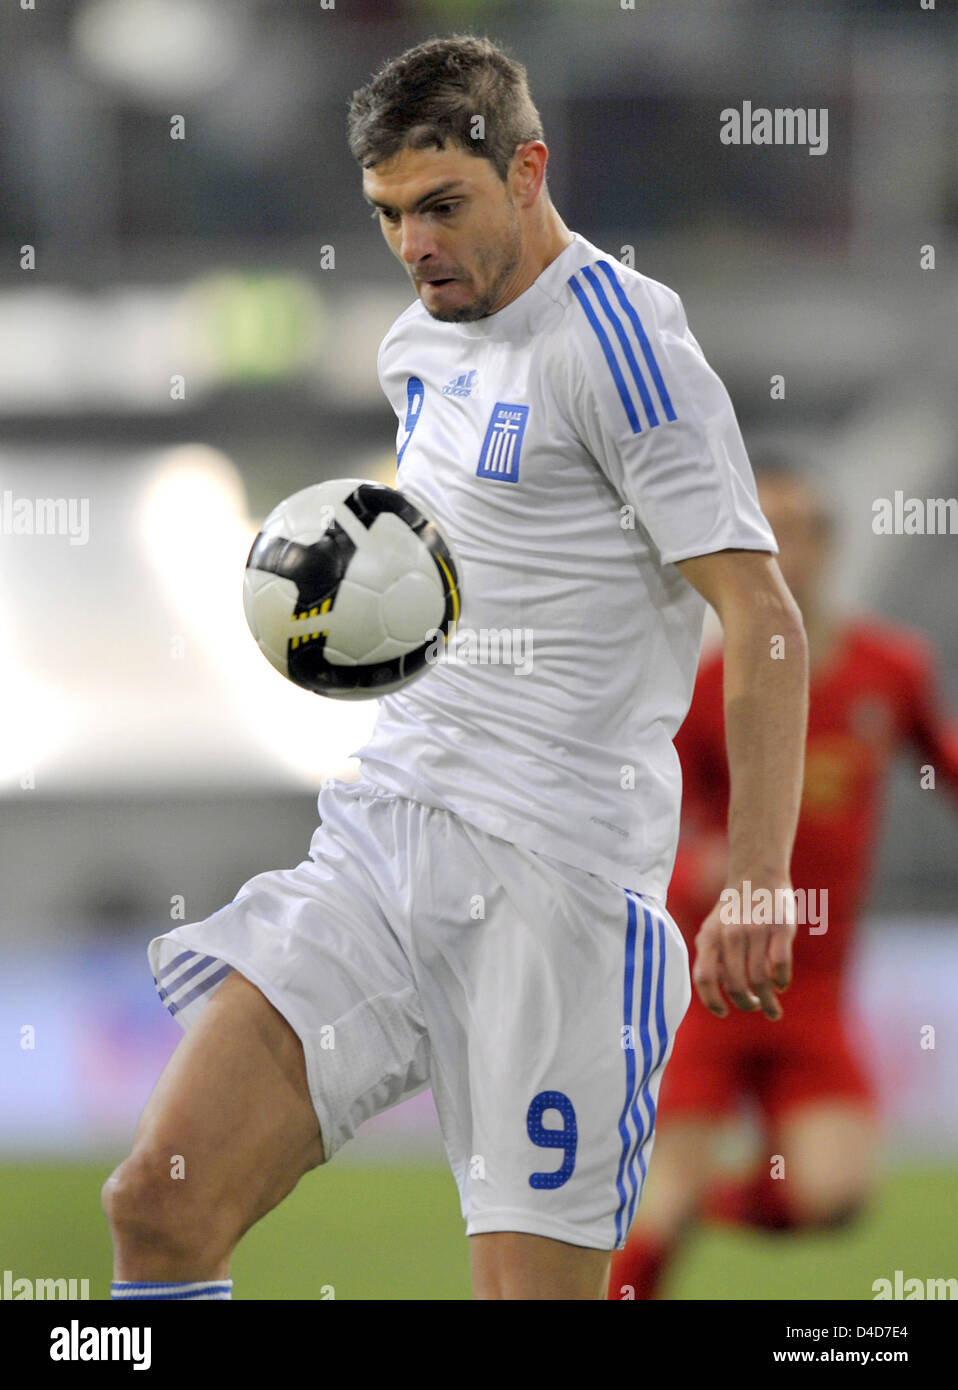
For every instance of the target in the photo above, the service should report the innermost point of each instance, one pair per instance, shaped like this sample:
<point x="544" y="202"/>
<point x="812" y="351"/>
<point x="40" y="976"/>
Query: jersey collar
<point x="524" y="314"/>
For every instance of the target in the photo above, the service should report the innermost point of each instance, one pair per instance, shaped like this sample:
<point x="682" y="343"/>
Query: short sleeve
<point x="657" y="418"/>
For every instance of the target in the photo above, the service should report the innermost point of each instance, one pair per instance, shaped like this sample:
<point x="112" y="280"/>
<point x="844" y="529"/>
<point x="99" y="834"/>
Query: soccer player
<point x="873" y="696"/>
<point x="484" y="910"/>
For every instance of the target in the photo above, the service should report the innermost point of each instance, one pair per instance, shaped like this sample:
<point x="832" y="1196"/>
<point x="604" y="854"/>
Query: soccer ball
<point x="346" y="588"/>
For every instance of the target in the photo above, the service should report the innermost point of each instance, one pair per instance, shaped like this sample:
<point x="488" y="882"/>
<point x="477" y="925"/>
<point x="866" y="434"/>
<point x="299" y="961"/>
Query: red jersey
<point x="875" y="696"/>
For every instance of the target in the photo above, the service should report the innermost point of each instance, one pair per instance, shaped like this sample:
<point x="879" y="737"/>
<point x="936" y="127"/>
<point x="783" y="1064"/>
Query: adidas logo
<point x="461" y="385"/>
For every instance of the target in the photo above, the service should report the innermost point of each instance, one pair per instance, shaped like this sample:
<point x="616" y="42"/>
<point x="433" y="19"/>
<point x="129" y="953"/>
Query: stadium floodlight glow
<point x="196" y="535"/>
<point x="161" y="49"/>
<point x="34" y="719"/>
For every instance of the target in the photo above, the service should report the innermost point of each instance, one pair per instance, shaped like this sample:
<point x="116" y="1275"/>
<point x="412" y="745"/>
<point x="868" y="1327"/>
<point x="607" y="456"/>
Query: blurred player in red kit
<point x="873" y="695"/>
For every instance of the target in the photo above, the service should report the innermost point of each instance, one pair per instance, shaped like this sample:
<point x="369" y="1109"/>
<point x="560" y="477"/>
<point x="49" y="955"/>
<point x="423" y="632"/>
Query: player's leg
<point x="317" y="1027"/>
<point x="227" y="1133"/>
<point x="821" y="1125"/>
<point x="515" y="1265"/>
<point x="829" y="1149"/>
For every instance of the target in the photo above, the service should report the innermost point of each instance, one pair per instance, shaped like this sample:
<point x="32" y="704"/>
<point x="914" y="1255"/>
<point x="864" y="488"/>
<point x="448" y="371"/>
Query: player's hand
<point x="739" y="950"/>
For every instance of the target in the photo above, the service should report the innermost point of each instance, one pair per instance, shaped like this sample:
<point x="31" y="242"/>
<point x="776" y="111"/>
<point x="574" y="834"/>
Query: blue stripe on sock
<point x="180" y="1289"/>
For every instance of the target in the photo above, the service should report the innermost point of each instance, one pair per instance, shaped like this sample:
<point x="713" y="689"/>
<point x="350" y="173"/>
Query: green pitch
<point x="378" y="1232"/>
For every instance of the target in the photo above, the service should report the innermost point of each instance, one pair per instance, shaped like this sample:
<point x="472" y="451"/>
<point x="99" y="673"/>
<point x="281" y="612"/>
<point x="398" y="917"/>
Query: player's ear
<point x="528" y="168"/>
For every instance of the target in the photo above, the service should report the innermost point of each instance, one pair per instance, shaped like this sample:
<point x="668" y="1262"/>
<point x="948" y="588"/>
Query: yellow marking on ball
<point x="324" y="607"/>
<point x="453" y="591"/>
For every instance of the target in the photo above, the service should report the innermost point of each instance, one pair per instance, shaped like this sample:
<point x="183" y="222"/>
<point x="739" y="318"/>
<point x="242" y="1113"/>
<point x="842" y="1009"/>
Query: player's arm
<point x="766" y="714"/>
<point x="660" y="425"/>
<point x="931" y="729"/>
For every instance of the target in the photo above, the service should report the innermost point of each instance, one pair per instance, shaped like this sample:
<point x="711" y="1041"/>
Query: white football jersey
<point x="572" y="446"/>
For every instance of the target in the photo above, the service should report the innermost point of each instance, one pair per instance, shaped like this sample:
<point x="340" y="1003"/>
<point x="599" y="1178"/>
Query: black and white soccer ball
<point x="350" y="589"/>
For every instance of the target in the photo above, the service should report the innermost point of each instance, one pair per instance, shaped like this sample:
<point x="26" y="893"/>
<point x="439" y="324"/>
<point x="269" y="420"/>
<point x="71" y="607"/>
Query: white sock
<point x="212" y="1288"/>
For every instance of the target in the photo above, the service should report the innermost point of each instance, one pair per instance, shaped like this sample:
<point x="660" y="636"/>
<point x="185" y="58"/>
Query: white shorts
<point x="411" y="949"/>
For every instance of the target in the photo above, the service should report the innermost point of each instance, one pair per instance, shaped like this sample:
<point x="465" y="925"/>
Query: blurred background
<point x="189" y="318"/>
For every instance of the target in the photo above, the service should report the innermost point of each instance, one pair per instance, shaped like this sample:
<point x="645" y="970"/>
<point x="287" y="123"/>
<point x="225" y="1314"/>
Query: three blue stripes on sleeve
<point x="630" y="334"/>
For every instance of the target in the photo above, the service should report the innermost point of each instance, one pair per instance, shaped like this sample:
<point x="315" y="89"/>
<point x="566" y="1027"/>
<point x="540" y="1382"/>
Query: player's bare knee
<point x="138" y="1206"/>
<point x="149" y="1209"/>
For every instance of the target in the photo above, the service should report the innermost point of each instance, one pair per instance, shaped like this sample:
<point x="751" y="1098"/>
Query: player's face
<point x="801" y="530"/>
<point x="452" y="222"/>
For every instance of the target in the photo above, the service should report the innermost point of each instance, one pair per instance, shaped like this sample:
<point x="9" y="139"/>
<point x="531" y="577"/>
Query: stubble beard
<point x="508" y="255"/>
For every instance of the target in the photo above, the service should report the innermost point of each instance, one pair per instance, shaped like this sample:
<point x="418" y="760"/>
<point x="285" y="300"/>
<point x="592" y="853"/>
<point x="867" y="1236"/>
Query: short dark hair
<point x="430" y="96"/>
